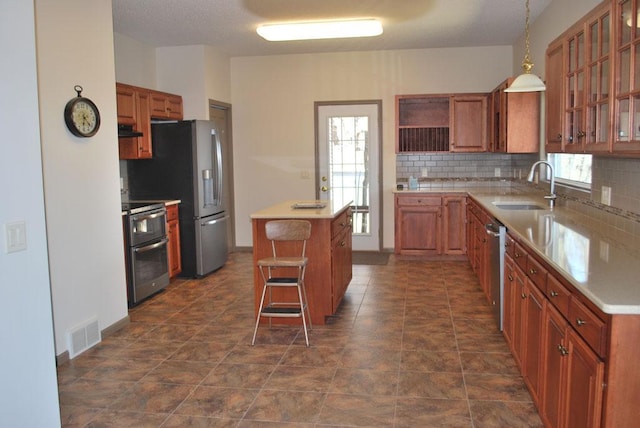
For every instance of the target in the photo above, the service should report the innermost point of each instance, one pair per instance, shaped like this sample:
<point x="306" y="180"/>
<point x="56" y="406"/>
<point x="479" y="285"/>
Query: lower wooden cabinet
<point x="173" y="234"/>
<point x="573" y="387"/>
<point x="341" y="258"/>
<point x="562" y="372"/>
<point x="429" y="224"/>
<point x="579" y="363"/>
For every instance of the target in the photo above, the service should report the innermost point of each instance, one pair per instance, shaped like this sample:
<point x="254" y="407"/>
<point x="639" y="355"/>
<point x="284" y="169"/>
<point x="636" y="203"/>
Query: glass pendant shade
<point x="526" y="82"/>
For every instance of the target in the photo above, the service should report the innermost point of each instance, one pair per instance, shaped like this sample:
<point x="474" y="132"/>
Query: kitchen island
<point x="329" y="250"/>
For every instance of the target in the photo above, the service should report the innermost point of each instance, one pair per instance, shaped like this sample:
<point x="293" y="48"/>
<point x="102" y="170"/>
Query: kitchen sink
<point x="518" y="206"/>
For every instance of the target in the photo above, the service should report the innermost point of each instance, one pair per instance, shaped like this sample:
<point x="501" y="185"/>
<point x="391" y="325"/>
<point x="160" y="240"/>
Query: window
<point x="571" y="169"/>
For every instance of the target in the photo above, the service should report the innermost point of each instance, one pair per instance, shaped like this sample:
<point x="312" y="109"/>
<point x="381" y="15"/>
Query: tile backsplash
<point x="463" y="165"/>
<point x="620" y="174"/>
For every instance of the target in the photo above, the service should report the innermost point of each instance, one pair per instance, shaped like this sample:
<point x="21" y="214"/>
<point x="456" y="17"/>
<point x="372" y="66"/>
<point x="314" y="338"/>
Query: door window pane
<point x="348" y="167"/>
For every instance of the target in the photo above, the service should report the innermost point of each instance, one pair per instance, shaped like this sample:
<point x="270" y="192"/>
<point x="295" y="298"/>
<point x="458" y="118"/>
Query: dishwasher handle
<point x="492" y="230"/>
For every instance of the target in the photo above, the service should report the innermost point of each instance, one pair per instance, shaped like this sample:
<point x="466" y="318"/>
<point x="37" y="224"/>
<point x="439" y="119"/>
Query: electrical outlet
<point x="424" y="172"/>
<point x="496" y="172"/>
<point x="16" y="236"/>
<point x="606" y="195"/>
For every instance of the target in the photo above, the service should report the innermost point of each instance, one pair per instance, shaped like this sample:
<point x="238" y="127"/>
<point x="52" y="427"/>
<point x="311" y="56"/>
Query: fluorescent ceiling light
<point x="320" y="30"/>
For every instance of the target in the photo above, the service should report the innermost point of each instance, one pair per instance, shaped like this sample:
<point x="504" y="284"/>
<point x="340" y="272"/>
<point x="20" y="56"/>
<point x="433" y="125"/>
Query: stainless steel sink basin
<point x="520" y="206"/>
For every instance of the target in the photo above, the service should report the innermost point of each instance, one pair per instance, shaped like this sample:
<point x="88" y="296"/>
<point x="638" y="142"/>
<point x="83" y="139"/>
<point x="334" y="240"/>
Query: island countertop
<point x="287" y="209"/>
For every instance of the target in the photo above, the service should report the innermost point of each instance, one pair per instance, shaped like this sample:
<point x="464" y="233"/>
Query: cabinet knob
<point x="554" y="293"/>
<point x="510" y="277"/>
<point x="343" y="243"/>
<point x="516" y="255"/>
<point x="524" y="296"/>
<point x="563" y="351"/>
<point x="532" y="271"/>
<point x="580" y="322"/>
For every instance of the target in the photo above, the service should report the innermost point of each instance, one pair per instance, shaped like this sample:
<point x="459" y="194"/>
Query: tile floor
<point x="412" y="345"/>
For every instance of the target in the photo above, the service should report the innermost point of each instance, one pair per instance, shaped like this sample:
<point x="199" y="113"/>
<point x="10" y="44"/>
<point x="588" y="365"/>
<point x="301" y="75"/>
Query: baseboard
<point x="64" y="356"/>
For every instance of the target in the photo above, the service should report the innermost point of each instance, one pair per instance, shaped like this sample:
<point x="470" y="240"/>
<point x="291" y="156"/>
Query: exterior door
<point x="348" y="164"/>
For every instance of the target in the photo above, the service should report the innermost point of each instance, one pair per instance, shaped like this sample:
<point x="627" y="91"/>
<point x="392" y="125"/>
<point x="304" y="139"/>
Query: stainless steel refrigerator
<point x="188" y="164"/>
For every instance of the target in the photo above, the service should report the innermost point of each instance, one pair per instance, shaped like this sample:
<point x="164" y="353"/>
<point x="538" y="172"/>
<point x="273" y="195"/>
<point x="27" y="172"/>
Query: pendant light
<point x="527" y="81"/>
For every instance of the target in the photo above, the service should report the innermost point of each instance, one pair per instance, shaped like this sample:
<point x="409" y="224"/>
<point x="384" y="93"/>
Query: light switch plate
<point x="606" y="195"/>
<point x="496" y="172"/>
<point x="16" y="236"/>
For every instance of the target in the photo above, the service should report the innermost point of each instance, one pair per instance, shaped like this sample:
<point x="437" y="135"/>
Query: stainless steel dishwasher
<point x="496" y="232"/>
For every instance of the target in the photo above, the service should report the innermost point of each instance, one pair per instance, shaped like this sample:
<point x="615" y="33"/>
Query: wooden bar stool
<point x="285" y="270"/>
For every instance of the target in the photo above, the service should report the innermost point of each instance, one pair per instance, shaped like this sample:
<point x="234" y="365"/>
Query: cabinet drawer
<point x="172" y="213"/>
<point x="420" y="200"/>
<point x="558" y="295"/>
<point x="588" y="325"/>
<point x="520" y="256"/>
<point x="537" y="273"/>
<point x="342" y="221"/>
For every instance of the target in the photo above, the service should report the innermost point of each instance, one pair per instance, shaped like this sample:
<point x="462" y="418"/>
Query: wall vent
<point x="83" y="337"/>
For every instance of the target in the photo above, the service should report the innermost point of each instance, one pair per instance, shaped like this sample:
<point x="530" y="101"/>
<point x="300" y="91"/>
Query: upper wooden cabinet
<point x="593" y="83"/>
<point x="441" y="123"/>
<point x="166" y="106"/>
<point x="469" y="123"/>
<point x="554" y="97"/>
<point x="135" y="107"/>
<point x="515" y="121"/>
<point x="627" y="88"/>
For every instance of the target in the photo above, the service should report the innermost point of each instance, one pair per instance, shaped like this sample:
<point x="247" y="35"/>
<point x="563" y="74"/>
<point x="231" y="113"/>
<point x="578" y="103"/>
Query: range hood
<point x="127" y="131"/>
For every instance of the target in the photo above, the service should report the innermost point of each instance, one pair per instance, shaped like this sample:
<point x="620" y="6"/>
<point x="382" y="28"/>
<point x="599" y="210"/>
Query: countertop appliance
<point x="187" y="164"/>
<point x="146" y="250"/>
<point x="497" y="234"/>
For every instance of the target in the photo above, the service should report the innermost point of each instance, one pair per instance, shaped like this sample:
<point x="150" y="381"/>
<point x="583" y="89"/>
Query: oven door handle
<point x="151" y="247"/>
<point x="150" y="216"/>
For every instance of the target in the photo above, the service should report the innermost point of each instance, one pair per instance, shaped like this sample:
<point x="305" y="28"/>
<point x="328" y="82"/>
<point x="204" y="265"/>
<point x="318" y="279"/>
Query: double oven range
<point x="146" y="249"/>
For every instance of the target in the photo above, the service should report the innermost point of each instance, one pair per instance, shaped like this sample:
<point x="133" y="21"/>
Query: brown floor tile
<point x="359" y="381"/>
<point x="421" y="412"/>
<point x="217" y="402"/>
<point x="488" y="414"/>
<point x="482" y="386"/>
<point x="413" y="344"/>
<point x="430" y="361"/>
<point x="358" y="410"/>
<point x="295" y="378"/>
<point x="250" y="376"/>
<point x="148" y="397"/>
<point x="286" y="406"/>
<point x="432" y="385"/>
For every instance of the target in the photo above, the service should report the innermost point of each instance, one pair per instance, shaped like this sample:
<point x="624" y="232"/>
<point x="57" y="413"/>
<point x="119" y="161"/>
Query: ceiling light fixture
<point x="320" y="30"/>
<point x="527" y="81"/>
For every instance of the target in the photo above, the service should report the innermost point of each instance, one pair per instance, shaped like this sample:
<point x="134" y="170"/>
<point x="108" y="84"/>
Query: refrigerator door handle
<point x="210" y="222"/>
<point x="218" y="164"/>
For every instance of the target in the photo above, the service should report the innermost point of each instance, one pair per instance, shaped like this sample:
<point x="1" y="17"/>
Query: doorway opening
<point x="348" y="164"/>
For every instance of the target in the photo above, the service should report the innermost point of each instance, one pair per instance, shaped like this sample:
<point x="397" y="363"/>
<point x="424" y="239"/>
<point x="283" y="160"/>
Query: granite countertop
<point x="606" y="271"/>
<point x="286" y="210"/>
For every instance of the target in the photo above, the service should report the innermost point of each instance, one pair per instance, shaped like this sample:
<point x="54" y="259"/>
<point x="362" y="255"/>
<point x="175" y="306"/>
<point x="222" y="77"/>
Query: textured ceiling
<point x="230" y="25"/>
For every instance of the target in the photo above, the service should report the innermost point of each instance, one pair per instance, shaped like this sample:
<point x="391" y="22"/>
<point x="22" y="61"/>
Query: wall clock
<point x="81" y="115"/>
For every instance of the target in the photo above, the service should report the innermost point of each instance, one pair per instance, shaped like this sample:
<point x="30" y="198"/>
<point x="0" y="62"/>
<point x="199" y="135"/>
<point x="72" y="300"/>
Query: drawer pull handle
<point x="510" y="277"/>
<point x="580" y="322"/>
<point x="554" y="294"/>
<point x="516" y="255"/>
<point x="343" y="243"/>
<point x="563" y="351"/>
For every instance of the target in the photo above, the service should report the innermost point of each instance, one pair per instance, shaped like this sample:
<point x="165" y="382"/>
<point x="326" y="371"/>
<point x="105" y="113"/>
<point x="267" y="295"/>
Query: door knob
<point x="324" y="178"/>
<point x="324" y="188"/>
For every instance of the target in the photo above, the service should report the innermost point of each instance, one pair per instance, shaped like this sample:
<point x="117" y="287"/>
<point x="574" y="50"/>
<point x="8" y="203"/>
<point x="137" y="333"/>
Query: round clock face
<point x="82" y="117"/>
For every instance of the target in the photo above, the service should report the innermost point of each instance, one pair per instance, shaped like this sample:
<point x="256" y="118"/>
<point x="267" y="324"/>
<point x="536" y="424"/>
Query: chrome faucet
<point x="552" y="197"/>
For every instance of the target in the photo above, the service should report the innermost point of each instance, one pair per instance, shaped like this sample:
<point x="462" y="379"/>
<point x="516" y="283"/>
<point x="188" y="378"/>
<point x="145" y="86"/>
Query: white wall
<point x="135" y="63"/>
<point x="273" y="96"/>
<point x="28" y="390"/>
<point x="81" y="175"/>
